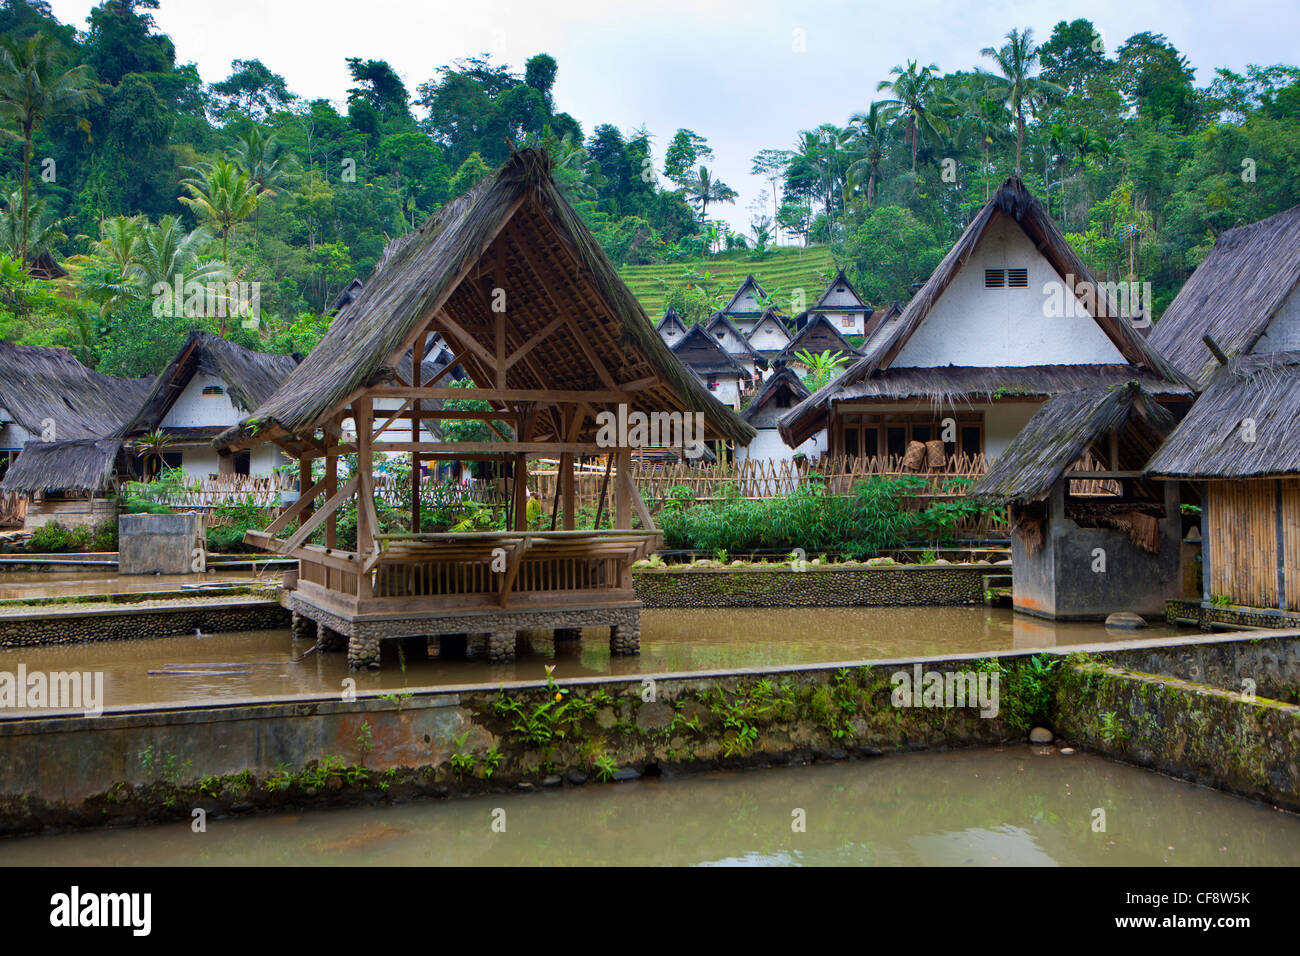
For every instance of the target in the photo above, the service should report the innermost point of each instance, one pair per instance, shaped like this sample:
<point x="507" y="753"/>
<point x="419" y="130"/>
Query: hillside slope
<point x="779" y="273"/>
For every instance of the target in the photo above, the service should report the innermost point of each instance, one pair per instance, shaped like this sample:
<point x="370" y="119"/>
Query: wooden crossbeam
<point x="298" y="507"/>
<point x="316" y="520"/>
<point x="512" y="395"/>
<point x="512" y="569"/>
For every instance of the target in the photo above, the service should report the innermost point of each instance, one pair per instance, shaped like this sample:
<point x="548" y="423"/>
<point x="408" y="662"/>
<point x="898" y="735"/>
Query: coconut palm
<point x="917" y="102"/>
<point x="1016" y="60"/>
<point x="702" y="189"/>
<point x="166" y="251"/>
<point x="865" y="136"/>
<point x="151" y="447"/>
<point x="33" y="91"/>
<point x="222" y="193"/>
<point x="43" y="230"/>
<point x="256" y="153"/>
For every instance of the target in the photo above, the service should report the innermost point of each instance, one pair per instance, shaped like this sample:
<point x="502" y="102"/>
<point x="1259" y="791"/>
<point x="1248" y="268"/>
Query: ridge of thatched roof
<point x="670" y="318"/>
<point x="719" y="360"/>
<point x="1212" y="441"/>
<point x="784" y="377"/>
<point x="800" y="340"/>
<point x="720" y="318"/>
<point x="749" y="283"/>
<point x="250" y="377"/>
<point x="1232" y="295"/>
<point x="1061" y="432"/>
<point x="83" y="464"/>
<point x="40" y="385"/>
<point x="515" y="221"/>
<point x="1015" y="201"/>
<point x="840" y="278"/>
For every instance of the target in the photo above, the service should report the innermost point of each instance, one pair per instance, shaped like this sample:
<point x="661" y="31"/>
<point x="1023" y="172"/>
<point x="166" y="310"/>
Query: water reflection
<point x="974" y="808"/>
<point x="259" y="663"/>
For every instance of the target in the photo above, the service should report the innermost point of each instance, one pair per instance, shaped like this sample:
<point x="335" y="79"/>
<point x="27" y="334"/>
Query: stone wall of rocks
<point x="1194" y="612"/>
<point x="71" y="626"/>
<point x="880" y="586"/>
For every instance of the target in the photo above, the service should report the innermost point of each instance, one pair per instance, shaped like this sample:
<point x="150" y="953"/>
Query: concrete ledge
<point x="77" y="623"/>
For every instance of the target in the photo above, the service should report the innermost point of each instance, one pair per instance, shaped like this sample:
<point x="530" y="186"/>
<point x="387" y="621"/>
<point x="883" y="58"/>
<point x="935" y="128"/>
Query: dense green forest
<point x="122" y="164"/>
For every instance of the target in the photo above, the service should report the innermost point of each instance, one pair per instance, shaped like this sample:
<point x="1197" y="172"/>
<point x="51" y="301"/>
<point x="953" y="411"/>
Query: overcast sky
<point x="728" y="69"/>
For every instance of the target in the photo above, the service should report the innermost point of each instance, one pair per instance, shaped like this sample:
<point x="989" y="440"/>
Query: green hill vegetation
<point x="779" y="271"/>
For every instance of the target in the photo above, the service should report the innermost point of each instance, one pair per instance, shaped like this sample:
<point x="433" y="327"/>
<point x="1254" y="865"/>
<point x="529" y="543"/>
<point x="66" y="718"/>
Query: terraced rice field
<point x="780" y="273"/>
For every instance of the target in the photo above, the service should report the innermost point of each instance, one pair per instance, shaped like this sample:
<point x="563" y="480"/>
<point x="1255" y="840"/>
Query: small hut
<point x="60" y="419"/>
<point x="718" y="369"/>
<point x="816" y="335"/>
<point x="1090" y="534"/>
<point x="780" y="392"/>
<point x="843" y="306"/>
<point x="511" y="279"/>
<point x="1242" y="441"/>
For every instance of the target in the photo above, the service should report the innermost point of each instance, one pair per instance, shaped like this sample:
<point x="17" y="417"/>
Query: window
<point x="213" y="390"/>
<point x="995" y="278"/>
<point x="783" y="400"/>
<point x="242" y="462"/>
<point x="846" y="322"/>
<point x="869" y="435"/>
<point x="719" y="333"/>
<point x="1017" y="278"/>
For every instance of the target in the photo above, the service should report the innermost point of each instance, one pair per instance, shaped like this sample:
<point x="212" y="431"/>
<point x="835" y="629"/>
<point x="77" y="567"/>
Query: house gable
<point x="747" y="298"/>
<point x="204" y="401"/>
<point x="971" y="324"/>
<point x="840" y="294"/>
<point x="1282" y="334"/>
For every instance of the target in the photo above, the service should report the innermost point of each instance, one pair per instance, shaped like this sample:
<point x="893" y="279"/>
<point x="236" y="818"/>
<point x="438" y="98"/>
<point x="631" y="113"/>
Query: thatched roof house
<point x="981" y="342"/>
<point x="842" y="305"/>
<point x="1065" y="430"/>
<point x="83" y="465"/>
<point x="1241" y="443"/>
<point x="1245" y="296"/>
<point x="671" y="328"/>
<point x="817" y="335"/>
<point x="1090" y="536"/>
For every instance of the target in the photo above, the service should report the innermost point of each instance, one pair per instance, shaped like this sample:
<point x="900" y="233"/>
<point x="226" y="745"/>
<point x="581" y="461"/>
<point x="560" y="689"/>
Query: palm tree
<point x="917" y="102"/>
<point x="151" y="447"/>
<point x="104" y="274"/>
<point x="1016" y="60"/>
<point x="33" y="91"/>
<point x="702" y="189"/>
<point x="222" y="193"/>
<point x="866" y="136"/>
<point x="43" y="230"/>
<point x="166" y="251"/>
<point x="257" y="155"/>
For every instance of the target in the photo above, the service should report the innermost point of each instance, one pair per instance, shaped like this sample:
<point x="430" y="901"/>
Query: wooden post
<point x="566" y="482"/>
<point x="417" y="358"/>
<point x="331" y="486"/>
<point x="521" y="492"/>
<point x="304" y="482"/>
<point x="623" y="500"/>
<point x="363" y="410"/>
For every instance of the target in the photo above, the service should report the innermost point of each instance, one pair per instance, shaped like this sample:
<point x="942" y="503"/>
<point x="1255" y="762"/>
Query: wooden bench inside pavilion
<point x="517" y="288"/>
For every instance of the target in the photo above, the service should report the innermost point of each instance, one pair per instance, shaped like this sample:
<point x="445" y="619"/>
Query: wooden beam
<point x="392" y="418"/>
<point x="308" y="527"/>
<point x="484" y="447"/>
<point x="362" y="415"/>
<point x="512" y="569"/>
<point x="511" y="395"/>
<point x="534" y="340"/>
<point x="622" y="499"/>
<point x="303" y="504"/>
<point x="417" y="360"/>
<point x="465" y="338"/>
<point x="642" y="512"/>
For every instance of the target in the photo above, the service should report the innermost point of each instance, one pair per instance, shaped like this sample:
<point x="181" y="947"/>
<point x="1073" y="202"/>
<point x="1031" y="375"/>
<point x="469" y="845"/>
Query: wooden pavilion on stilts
<point x="517" y="288"/>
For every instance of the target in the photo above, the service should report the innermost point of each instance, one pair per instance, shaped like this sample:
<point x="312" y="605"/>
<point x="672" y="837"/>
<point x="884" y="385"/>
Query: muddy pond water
<point x="1006" y="807"/>
<point x="259" y="664"/>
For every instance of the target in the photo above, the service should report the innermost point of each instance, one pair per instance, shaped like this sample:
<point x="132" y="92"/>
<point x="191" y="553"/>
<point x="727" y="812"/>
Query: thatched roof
<point x="40" y="385"/>
<point x="818" y="335"/>
<point x="671" y="318"/>
<point x="956" y="385"/>
<point x="1232" y="295"/>
<point x="1064" y="429"/>
<point x="81" y="465"/>
<point x="749" y="285"/>
<point x="1211" y="442"/>
<point x="840" y="279"/>
<point x="1012" y="200"/>
<point x="703" y="354"/>
<point x="783" y="379"/>
<point x="513" y="231"/>
<point x="250" y="377"/>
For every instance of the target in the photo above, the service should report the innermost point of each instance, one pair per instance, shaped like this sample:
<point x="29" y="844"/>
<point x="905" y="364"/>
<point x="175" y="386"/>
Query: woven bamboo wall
<point x="1243" y="543"/>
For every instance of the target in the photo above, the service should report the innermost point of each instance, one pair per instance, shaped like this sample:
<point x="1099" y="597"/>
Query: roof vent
<point x="1018" y="278"/>
<point x="994" y="278"/>
<point x="213" y="390"/>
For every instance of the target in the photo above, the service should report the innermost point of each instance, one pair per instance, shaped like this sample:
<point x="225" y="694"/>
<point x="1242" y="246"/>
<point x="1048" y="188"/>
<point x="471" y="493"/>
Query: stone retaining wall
<point x="881" y="586"/>
<point x="73" y="624"/>
<point x="1186" y="611"/>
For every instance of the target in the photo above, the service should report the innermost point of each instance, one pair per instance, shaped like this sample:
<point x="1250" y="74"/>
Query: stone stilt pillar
<point x="501" y="646"/>
<point x="363" y="652"/>
<point x="328" y="639"/>
<point x="568" y="634"/>
<point x="302" y="628"/>
<point x="625" y="639"/>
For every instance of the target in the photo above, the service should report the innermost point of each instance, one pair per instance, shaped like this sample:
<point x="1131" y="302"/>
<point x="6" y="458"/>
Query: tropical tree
<point x="223" y="194"/>
<point x="821" y="367"/>
<point x="917" y="102"/>
<point x="702" y="189"/>
<point x="865" y="137"/>
<point x="166" y="252"/>
<point x="43" y="229"/>
<point x="33" y="91"/>
<point x="1016" y="60"/>
<point x="151" y="448"/>
<point x="257" y="154"/>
